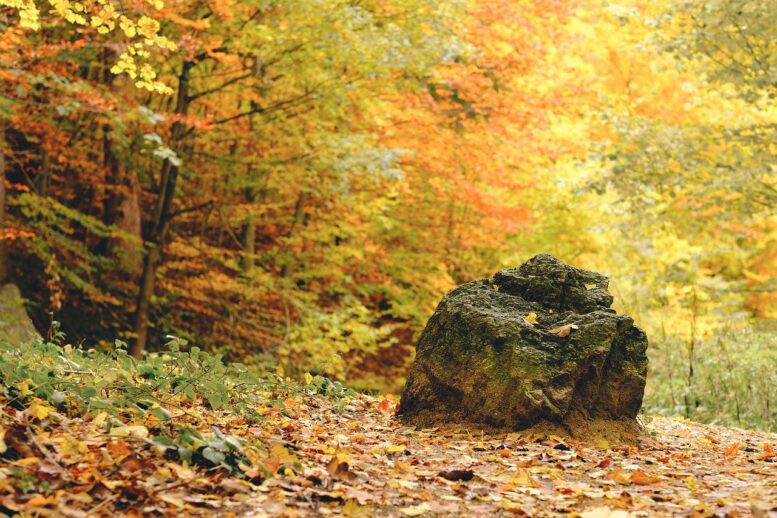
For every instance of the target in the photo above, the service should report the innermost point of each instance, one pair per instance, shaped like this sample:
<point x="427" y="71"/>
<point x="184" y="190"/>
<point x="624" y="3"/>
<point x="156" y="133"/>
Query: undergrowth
<point x="167" y="399"/>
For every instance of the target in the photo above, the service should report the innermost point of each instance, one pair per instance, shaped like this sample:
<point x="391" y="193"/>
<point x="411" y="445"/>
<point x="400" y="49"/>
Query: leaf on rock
<point x="531" y="318"/>
<point x="564" y="331"/>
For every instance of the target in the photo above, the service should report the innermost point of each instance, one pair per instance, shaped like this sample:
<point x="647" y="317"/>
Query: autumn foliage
<point x="295" y="183"/>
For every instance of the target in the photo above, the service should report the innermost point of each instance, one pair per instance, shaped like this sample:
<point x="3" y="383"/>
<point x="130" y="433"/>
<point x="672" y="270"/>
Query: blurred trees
<point x="298" y="182"/>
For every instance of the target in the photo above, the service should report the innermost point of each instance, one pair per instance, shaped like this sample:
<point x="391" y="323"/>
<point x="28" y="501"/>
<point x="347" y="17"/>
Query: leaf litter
<point x="320" y="457"/>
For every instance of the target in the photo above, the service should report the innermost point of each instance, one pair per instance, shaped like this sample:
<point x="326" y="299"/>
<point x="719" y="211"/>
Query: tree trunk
<point x="298" y="219"/>
<point x="249" y="242"/>
<point x="121" y="208"/>
<point x="159" y="226"/>
<point x="4" y="268"/>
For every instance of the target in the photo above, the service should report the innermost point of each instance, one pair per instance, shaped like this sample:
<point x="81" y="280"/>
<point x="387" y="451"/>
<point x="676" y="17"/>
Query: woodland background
<point x="296" y="183"/>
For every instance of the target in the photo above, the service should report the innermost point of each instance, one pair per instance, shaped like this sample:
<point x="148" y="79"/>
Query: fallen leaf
<point x="457" y="474"/>
<point x="353" y="509"/>
<point x="531" y="318"/>
<point x="24" y="388"/>
<point x="386" y="406"/>
<point x="39" y="409"/>
<point x="732" y="450"/>
<point x="172" y="499"/>
<point x="416" y="510"/>
<point x="73" y="447"/>
<point x="563" y="331"/>
<point x="619" y="476"/>
<point x="118" y="448"/>
<point x="605" y="512"/>
<point x="338" y="466"/>
<point x="129" y="431"/>
<point x="640" y="478"/>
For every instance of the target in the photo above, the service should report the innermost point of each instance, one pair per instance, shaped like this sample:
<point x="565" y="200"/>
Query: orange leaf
<point x="640" y="478"/>
<point x="732" y="450"/>
<point x="563" y="331"/>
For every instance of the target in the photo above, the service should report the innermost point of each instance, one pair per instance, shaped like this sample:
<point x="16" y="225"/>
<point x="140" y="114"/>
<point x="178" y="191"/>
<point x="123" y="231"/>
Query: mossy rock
<point x="15" y="325"/>
<point x="482" y="359"/>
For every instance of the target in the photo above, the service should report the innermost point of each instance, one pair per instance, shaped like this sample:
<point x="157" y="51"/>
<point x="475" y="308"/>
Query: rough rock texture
<point x="15" y="325"/>
<point x="479" y="359"/>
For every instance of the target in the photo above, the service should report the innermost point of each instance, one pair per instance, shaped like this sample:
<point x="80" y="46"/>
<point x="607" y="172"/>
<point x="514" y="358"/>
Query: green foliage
<point x="732" y="382"/>
<point x="116" y="389"/>
<point x="83" y="381"/>
<point x="328" y="342"/>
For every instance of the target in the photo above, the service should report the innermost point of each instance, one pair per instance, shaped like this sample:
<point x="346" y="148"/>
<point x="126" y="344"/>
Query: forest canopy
<point x="296" y="183"/>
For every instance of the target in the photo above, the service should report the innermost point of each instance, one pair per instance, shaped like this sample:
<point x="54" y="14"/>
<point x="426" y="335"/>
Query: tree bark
<point x="4" y="267"/>
<point x="159" y="226"/>
<point x="121" y="209"/>
<point x="249" y="242"/>
<point x="298" y="219"/>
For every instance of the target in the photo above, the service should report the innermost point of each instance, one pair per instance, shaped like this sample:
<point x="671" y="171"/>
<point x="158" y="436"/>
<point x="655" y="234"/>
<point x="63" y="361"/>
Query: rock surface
<point x="535" y="344"/>
<point x="15" y="325"/>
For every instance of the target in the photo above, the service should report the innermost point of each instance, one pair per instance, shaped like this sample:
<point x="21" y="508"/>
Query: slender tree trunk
<point x="249" y="261"/>
<point x="120" y="208"/>
<point x="159" y="226"/>
<point x="299" y="215"/>
<point x="4" y="268"/>
<point x="249" y="243"/>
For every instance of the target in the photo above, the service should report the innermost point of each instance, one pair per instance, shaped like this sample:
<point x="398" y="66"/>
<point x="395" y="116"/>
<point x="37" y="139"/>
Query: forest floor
<point x="352" y="457"/>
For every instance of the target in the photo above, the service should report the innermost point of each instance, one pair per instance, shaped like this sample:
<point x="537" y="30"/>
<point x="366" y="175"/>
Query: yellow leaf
<point x="605" y="512"/>
<point x="605" y="445"/>
<point x="39" y="409"/>
<point x="174" y="500"/>
<point x="129" y="431"/>
<point x="531" y="318"/>
<point x="27" y="461"/>
<point x="282" y="455"/>
<point x="24" y="387"/>
<point x="353" y="509"/>
<point x="521" y="478"/>
<point x="692" y="483"/>
<point x="100" y="419"/>
<point x="73" y="447"/>
<point x="308" y="378"/>
<point x="393" y="448"/>
<point x="416" y="510"/>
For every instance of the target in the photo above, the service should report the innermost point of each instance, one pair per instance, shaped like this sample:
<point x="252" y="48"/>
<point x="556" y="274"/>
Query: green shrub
<point x="182" y="392"/>
<point x="729" y="379"/>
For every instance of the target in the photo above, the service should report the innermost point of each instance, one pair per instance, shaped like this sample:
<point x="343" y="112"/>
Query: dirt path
<point x="362" y="463"/>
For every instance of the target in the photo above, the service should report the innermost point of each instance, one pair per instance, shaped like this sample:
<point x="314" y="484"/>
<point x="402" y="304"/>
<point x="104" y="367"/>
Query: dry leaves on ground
<point x="322" y="458"/>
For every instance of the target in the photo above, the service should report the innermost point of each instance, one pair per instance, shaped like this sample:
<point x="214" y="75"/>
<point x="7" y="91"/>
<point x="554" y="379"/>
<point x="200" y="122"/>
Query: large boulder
<point x="15" y="325"/>
<point x="534" y="344"/>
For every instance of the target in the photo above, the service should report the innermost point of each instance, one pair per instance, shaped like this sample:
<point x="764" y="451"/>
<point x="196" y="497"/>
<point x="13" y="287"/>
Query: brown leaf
<point x="563" y="331"/>
<point x="338" y="466"/>
<point x="457" y="474"/>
